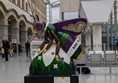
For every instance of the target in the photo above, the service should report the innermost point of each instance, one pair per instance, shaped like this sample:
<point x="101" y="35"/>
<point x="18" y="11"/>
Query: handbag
<point x="3" y="51"/>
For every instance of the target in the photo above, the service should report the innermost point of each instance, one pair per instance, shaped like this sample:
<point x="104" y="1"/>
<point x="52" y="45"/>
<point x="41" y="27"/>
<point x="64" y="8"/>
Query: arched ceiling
<point x="50" y="1"/>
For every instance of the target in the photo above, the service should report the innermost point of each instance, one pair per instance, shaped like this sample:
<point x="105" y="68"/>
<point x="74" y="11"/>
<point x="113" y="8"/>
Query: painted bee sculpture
<point x="60" y="46"/>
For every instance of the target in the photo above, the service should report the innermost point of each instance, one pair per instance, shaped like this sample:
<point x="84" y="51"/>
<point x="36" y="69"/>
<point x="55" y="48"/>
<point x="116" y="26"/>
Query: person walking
<point x="2" y="49"/>
<point x="117" y="50"/>
<point x="19" y="48"/>
<point x="11" y="50"/>
<point x="86" y="52"/>
<point x="117" y="46"/>
<point x="27" y="48"/>
<point x="6" y="47"/>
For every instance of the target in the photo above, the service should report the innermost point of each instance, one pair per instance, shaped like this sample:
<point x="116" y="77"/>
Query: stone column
<point x="88" y="39"/>
<point x="23" y="39"/>
<point x="15" y="34"/>
<point x="3" y="32"/>
<point x="97" y="37"/>
<point x="23" y="36"/>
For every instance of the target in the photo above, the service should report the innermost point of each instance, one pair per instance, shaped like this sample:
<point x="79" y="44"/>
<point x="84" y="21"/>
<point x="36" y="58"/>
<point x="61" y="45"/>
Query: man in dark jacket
<point x="117" y="46"/>
<point x="6" y="47"/>
<point x="27" y="48"/>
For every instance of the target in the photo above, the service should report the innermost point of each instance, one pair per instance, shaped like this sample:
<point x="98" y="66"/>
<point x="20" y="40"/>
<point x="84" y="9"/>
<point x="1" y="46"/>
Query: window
<point x="14" y="1"/>
<point x="23" y="4"/>
<point x="26" y="7"/>
<point x="19" y="3"/>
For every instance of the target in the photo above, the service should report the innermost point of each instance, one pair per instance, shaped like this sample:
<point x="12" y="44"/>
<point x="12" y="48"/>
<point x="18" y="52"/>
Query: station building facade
<point x="16" y="22"/>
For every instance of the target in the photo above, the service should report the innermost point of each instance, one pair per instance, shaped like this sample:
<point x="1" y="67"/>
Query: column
<point x="23" y="39"/>
<point x="3" y="32"/>
<point x="15" y="34"/>
<point x="97" y="37"/>
<point x="88" y="39"/>
<point x="23" y="36"/>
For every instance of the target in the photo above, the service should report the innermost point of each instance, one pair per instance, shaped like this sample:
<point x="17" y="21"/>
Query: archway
<point x="12" y="29"/>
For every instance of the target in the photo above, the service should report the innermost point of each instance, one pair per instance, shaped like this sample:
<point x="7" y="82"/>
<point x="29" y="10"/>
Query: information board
<point x="61" y="79"/>
<point x="34" y="45"/>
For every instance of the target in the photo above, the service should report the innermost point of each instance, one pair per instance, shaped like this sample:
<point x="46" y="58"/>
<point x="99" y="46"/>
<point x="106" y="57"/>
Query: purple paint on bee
<point x="59" y="26"/>
<point x="39" y="26"/>
<point x="68" y="43"/>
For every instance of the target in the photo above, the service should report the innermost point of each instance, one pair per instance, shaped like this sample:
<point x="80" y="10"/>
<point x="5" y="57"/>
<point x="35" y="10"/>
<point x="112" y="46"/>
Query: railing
<point x="101" y="59"/>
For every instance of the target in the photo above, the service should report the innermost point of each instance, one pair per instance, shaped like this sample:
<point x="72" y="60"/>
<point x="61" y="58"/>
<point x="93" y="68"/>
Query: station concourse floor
<point x="17" y="67"/>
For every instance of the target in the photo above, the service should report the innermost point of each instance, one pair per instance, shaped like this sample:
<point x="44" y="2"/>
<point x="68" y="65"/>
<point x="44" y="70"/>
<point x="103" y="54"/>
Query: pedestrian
<point x="85" y="51"/>
<point x="117" y="50"/>
<point x="2" y="49"/>
<point x="19" y="48"/>
<point x="6" y="47"/>
<point x="11" y="50"/>
<point x="27" y="48"/>
<point x="117" y="46"/>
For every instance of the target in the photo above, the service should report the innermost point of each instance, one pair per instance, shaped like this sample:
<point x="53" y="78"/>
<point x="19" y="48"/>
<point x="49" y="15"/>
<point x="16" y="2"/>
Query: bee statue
<point x="60" y="46"/>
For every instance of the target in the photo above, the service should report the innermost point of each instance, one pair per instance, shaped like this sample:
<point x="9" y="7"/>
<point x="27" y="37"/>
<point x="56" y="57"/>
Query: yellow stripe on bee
<point x="62" y="78"/>
<point x="54" y="44"/>
<point x="80" y="56"/>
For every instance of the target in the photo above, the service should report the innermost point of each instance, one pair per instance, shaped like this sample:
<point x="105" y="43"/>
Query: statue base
<point x="50" y="79"/>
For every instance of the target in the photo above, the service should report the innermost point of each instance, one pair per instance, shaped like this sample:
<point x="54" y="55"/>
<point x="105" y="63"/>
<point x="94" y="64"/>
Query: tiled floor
<point x="18" y="66"/>
<point x="14" y="70"/>
<point x="98" y="78"/>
